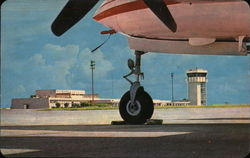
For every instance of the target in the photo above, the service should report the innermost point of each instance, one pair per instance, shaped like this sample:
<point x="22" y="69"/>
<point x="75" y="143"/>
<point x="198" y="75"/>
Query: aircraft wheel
<point x="138" y="113"/>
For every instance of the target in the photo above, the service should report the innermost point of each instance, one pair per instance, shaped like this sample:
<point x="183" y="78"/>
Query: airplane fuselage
<point x="199" y="23"/>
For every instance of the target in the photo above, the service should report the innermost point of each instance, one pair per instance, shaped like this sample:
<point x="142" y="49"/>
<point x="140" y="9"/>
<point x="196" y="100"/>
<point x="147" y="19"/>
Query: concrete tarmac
<point x="215" y="135"/>
<point x="169" y="116"/>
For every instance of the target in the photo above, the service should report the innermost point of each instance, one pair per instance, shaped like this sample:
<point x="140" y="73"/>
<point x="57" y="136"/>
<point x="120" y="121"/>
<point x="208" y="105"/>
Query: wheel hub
<point x="133" y="109"/>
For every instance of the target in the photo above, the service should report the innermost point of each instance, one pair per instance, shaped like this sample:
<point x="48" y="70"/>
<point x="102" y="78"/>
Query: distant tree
<point x="66" y="105"/>
<point x="58" y="105"/>
<point x="75" y="105"/>
<point x="84" y="104"/>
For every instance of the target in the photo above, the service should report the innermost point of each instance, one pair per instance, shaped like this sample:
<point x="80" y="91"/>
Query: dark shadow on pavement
<point x="128" y="128"/>
<point x="204" y="141"/>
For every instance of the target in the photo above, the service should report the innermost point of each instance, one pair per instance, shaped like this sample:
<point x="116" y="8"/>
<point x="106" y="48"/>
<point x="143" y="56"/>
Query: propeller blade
<point x="1" y="2"/>
<point x="72" y="12"/>
<point x="248" y="1"/>
<point x="160" y="9"/>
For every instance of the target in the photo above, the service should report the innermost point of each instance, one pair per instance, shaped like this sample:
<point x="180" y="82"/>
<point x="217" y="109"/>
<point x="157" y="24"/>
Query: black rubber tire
<point x="146" y="111"/>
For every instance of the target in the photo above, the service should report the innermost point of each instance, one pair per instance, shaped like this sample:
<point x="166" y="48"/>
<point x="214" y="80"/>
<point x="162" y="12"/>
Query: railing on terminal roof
<point x="65" y="95"/>
<point x="62" y="95"/>
<point x="90" y="95"/>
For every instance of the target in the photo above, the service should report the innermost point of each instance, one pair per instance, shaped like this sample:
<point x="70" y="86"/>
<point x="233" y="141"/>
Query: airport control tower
<point x="197" y="79"/>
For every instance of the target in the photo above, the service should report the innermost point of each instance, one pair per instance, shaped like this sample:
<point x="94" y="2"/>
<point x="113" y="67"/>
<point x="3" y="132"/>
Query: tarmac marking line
<point x="11" y="133"/>
<point x="17" y="151"/>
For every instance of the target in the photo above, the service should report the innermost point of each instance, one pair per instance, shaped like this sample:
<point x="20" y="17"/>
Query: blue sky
<point x="33" y="58"/>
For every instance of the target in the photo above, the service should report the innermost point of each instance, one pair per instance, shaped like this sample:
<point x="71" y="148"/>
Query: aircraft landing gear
<point x="136" y="105"/>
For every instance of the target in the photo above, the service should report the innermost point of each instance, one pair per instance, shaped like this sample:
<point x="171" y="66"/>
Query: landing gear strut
<point x="136" y="105"/>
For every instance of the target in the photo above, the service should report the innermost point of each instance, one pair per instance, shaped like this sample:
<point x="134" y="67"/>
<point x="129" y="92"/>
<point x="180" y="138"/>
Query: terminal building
<point x="197" y="91"/>
<point x="52" y="98"/>
<point x="68" y="98"/>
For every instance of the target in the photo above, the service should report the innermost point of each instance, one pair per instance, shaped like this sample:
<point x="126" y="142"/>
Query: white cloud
<point x="61" y="66"/>
<point x="103" y="66"/>
<point x="37" y="59"/>
<point x="66" y="54"/>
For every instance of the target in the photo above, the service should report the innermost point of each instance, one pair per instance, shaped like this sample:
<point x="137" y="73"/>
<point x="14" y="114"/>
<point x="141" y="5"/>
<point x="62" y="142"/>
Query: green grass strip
<point x="108" y="107"/>
<point x="204" y="106"/>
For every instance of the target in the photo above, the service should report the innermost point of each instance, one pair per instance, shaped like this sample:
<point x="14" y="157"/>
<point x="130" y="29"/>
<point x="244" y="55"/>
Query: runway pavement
<point x="186" y="133"/>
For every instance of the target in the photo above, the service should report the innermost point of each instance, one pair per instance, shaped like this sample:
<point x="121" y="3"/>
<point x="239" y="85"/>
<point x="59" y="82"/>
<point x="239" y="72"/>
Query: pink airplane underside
<point x="213" y="27"/>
